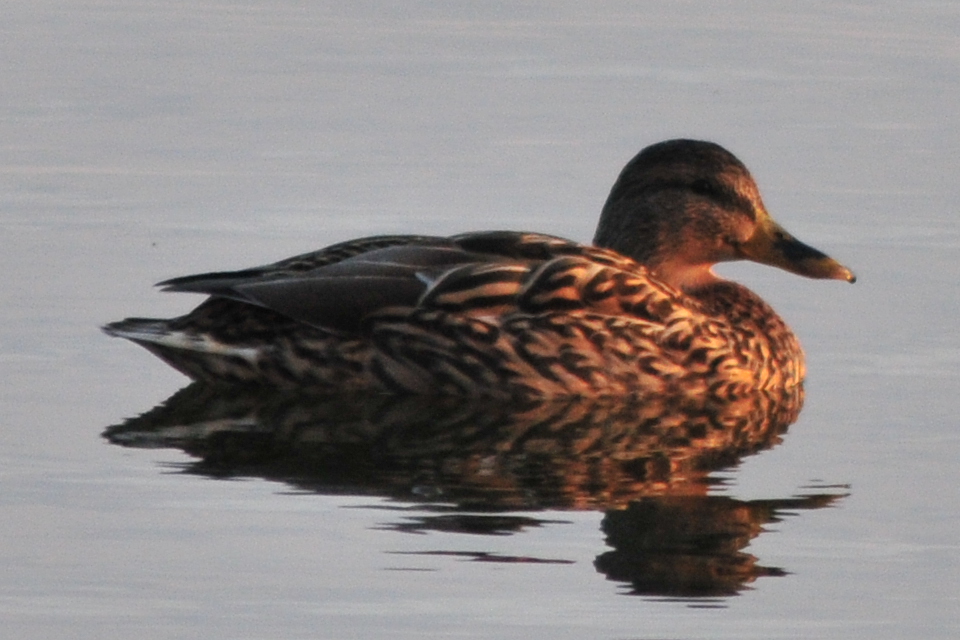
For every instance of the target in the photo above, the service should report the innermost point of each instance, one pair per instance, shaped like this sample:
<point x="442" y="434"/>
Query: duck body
<point x="516" y="314"/>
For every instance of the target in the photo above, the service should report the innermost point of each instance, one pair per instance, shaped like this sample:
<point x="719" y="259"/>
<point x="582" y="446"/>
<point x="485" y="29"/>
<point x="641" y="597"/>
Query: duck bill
<point x="771" y="244"/>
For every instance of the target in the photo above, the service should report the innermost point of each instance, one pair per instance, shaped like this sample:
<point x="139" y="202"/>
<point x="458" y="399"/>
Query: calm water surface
<point x="145" y="140"/>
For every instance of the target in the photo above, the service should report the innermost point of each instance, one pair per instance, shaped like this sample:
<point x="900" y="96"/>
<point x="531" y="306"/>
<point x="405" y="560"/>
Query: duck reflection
<point x="468" y="463"/>
<point x="690" y="546"/>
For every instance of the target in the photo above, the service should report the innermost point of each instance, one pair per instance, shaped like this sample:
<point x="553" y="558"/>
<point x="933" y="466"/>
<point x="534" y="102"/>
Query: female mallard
<point x="507" y="313"/>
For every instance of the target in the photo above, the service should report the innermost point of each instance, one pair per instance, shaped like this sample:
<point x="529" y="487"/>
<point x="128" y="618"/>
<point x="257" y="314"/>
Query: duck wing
<point x="477" y="274"/>
<point x="210" y="282"/>
<point x="337" y="295"/>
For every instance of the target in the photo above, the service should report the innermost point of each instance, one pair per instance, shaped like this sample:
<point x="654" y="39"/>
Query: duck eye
<point x="702" y="187"/>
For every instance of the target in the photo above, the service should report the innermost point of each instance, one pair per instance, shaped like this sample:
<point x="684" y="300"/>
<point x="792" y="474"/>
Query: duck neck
<point x="689" y="278"/>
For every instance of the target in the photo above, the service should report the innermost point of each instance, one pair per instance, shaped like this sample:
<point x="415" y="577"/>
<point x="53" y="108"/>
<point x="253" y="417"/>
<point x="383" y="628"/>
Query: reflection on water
<point x="467" y="463"/>
<point x="690" y="546"/>
<point x="570" y="453"/>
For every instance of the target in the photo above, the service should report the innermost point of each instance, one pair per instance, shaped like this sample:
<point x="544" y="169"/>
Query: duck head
<point x="681" y="206"/>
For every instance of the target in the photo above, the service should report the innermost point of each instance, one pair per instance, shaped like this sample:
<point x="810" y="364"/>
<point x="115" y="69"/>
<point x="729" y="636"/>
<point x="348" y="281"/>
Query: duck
<point x="640" y="311"/>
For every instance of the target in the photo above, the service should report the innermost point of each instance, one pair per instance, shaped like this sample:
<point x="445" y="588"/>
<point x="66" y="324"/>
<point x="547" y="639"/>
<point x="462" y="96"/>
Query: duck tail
<point x="197" y="356"/>
<point x="138" y="329"/>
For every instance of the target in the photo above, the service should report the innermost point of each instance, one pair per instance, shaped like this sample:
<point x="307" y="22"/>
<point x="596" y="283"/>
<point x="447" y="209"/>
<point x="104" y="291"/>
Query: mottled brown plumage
<point x="507" y="313"/>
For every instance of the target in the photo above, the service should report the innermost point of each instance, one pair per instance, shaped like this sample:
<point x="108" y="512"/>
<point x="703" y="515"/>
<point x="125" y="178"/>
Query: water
<point x="147" y="140"/>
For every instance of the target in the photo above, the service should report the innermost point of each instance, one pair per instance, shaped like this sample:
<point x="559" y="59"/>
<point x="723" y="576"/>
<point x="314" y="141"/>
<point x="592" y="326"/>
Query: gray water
<point x="145" y="140"/>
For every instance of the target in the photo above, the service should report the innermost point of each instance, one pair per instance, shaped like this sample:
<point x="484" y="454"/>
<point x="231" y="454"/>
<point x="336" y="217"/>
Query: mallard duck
<point x="505" y="313"/>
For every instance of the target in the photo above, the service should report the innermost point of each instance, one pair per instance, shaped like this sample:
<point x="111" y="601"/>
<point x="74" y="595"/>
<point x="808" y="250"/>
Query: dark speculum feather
<point x="216" y="282"/>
